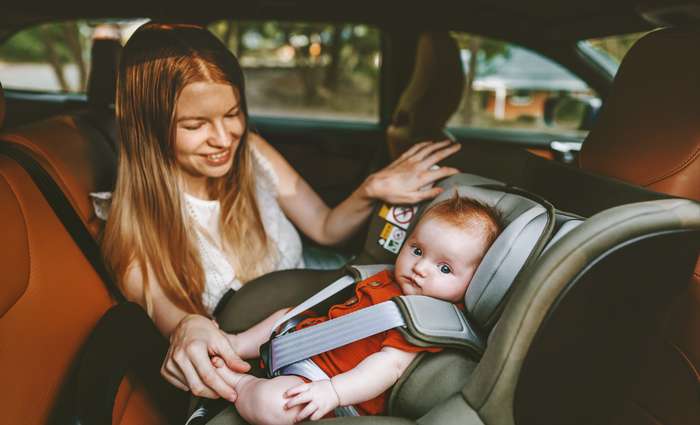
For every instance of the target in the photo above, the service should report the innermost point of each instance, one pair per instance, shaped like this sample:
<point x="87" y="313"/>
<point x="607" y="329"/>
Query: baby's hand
<point x="319" y="396"/>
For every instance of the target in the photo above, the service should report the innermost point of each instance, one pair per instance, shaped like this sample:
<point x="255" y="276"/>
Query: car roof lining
<point x="541" y="21"/>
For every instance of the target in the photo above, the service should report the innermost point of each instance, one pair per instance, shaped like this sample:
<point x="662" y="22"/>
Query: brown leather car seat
<point x="432" y="95"/>
<point x="648" y="133"/>
<point x="50" y="297"/>
<point x="77" y="156"/>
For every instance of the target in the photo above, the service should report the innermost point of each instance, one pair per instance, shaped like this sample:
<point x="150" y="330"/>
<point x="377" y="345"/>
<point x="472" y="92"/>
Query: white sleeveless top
<point x="219" y="274"/>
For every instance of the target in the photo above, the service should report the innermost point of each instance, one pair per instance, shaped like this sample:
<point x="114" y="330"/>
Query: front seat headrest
<point x="102" y="83"/>
<point x="648" y="132"/>
<point x="432" y="95"/>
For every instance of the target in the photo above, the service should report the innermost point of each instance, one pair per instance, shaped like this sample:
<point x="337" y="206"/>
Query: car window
<point x="307" y="70"/>
<point x="55" y="57"/>
<point x="609" y="51"/>
<point x="512" y="88"/>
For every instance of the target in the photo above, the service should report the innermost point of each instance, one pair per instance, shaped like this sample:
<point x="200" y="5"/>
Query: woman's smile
<point x="218" y="159"/>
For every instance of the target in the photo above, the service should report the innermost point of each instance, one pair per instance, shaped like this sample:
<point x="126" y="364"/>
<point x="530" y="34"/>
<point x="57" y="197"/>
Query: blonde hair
<point x="148" y="226"/>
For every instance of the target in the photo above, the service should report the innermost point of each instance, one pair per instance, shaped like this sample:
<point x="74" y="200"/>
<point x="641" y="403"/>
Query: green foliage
<point x="30" y="45"/>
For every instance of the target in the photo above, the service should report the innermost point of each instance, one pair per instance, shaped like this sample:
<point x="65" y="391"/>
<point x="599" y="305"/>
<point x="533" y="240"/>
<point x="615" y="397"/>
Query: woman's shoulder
<point x="269" y="158"/>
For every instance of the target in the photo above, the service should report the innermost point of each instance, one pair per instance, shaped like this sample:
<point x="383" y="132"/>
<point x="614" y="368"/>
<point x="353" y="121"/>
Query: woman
<point x="202" y="205"/>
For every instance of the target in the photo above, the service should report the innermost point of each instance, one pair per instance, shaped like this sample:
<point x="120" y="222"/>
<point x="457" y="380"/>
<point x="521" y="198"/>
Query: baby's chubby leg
<point x="262" y="401"/>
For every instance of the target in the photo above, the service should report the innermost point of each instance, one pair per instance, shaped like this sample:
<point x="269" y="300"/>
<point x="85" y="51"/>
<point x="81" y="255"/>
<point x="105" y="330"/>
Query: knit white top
<point x="219" y="274"/>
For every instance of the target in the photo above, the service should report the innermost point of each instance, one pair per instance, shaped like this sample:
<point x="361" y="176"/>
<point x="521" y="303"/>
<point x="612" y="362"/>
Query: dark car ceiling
<point x="540" y="21"/>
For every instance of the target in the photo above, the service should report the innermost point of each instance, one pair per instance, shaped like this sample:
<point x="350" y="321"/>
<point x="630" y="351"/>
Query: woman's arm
<point x="193" y="339"/>
<point x="399" y="183"/>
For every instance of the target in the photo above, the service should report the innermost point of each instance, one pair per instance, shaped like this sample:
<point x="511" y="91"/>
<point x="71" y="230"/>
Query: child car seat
<point x="528" y="224"/>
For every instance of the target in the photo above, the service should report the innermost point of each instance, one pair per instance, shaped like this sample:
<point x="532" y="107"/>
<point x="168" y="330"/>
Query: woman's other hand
<point x="404" y="180"/>
<point x="188" y="363"/>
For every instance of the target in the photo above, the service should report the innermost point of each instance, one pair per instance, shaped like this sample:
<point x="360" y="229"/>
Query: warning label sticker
<point x="398" y="215"/>
<point x="391" y="238"/>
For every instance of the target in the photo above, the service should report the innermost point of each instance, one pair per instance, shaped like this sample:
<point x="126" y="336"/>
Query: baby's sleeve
<point x="394" y="339"/>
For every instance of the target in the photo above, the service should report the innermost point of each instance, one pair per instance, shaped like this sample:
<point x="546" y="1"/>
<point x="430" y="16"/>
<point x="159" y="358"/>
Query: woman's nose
<point x="220" y="136"/>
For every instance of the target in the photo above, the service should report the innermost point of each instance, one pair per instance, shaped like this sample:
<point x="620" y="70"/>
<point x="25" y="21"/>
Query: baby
<point x="438" y="260"/>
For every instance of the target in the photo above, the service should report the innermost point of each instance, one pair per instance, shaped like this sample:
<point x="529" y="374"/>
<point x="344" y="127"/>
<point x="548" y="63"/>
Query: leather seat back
<point x="647" y="133"/>
<point x="51" y="298"/>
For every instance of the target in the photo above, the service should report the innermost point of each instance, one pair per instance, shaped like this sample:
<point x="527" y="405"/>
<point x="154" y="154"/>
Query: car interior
<point x="597" y="322"/>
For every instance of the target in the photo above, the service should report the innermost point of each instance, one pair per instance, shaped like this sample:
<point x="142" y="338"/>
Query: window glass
<point x="55" y="57"/>
<point x="609" y="51"/>
<point x="311" y="70"/>
<point x="512" y="88"/>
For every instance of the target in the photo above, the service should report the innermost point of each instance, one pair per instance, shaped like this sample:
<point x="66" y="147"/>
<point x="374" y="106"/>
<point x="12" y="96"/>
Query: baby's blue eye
<point x="416" y="251"/>
<point x="444" y="268"/>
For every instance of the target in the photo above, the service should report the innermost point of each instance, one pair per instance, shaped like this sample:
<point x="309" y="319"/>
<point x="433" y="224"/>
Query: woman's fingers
<point x="226" y="352"/>
<point x="201" y="365"/>
<point x="436" y="174"/>
<point x="437" y="155"/>
<point x="174" y="375"/>
<point x="412" y="150"/>
<point x="431" y="148"/>
<point x="195" y="384"/>
<point x="424" y="195"/>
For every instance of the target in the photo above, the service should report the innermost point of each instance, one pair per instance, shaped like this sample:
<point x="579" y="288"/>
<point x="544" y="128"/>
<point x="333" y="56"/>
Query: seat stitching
<point x="646" y="412"/>
<point x="685" y="358"/>
<point x="676" y="170"/>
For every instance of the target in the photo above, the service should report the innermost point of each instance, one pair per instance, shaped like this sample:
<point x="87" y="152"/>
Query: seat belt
<point x="65" y="212"/>
<point x="362" y="272"/>
<point x="308" y="342"/>
<point x="426" y="317"/>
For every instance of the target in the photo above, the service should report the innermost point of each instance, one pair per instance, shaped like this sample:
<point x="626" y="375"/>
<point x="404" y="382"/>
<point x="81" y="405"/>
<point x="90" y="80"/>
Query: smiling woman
<point x="202" y="206"/>
<point x="209" y="126"/>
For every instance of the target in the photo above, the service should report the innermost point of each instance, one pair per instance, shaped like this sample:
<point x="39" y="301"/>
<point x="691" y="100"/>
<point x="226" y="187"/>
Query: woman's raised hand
<point x="402" y="181"/>
<point x="188" y="364"/>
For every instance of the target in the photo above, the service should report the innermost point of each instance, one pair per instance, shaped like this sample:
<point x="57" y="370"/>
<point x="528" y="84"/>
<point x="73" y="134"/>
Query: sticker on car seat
<point x="391" y="238"/>
<point x="398" y="215"/>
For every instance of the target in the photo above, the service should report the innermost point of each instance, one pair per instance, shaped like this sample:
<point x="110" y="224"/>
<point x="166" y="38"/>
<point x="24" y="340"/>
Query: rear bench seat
<point x="51" y="297"/>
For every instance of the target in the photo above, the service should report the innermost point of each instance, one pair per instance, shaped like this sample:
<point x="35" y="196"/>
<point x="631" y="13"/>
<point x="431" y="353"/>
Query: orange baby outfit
<point x="373" y="290"/>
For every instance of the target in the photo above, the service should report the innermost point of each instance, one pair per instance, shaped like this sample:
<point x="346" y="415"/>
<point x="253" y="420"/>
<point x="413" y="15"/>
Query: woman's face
<point x="208" y="128"/>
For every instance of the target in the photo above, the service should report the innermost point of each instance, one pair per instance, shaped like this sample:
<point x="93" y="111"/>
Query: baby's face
<point x="438" y="260"/>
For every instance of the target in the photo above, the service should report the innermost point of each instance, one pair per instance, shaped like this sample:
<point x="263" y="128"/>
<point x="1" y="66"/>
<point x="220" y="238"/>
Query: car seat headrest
<point x="432" y="95"/>
<point x="2" y="106"/>
<point x="527" y="225"/>
<point x="647" y="131"/>
<point x="102" y="83"/>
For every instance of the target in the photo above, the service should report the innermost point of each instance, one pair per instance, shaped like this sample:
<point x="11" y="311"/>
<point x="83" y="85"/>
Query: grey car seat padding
<point x="426" y="321"/>
<point x="527" y="220"/>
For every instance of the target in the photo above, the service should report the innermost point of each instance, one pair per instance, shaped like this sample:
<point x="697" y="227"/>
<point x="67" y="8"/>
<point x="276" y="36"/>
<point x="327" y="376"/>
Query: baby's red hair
<point x="469" y="215"/>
